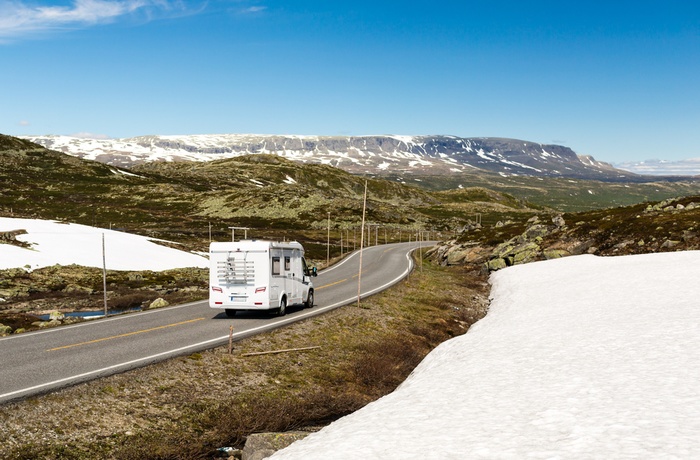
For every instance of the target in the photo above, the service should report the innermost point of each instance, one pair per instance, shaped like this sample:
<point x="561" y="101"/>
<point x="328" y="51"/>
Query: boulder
<point x="537" y="230"/>
<point x="526" y="252"/>
<point x="496" y="264"/>
<point x="5" y="330"/>
<point x="555" y="253"/>
<point x="669" y="244"/>
<point x="558" y="221"/>
<point x="14" y="292"/>
<point x="455" y="255"/>
<point x="262" y="445"/>
<point x="503" y="249"/>
<point x="463" y="255"/>
<point x="74" y="288"/>
<point x="159" y="303"/>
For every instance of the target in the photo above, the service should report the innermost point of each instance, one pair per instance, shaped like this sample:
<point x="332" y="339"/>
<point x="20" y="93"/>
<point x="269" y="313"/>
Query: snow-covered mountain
<point x="357" y="154"/>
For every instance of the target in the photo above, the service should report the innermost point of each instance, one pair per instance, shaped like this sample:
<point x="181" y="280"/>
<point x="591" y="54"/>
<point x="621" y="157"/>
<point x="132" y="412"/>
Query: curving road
<point x="42" y="361"/>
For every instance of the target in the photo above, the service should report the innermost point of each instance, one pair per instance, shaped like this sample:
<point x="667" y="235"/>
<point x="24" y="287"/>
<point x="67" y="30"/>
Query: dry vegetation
<point x="189" y="406"/>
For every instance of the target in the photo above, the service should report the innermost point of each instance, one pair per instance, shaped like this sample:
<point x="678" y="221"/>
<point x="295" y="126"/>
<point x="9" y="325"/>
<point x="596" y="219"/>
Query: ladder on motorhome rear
<point x="235" y="271"/>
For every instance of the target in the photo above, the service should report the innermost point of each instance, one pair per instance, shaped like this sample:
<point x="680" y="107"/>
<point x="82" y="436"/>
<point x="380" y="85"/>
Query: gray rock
<point x="503" y="249"/>
<point x="496" y="264"/>
<point x="537" y="230"/>
<point x="14" y="292"/>
<point x="261" y="445"/>
<point x="526" y="252"/>
<point x="159" y="303"/>
<point x="74" y="288"/>
<point x="555" y="253"/>
<point x="461" y="255"/>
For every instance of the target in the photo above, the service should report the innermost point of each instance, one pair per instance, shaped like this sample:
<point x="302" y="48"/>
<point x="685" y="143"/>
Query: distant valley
<point x="689" y="167"/>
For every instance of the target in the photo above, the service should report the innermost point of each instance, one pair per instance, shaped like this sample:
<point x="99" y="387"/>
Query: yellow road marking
<point x="125" y="335"/>
<point x="329" y="285"/>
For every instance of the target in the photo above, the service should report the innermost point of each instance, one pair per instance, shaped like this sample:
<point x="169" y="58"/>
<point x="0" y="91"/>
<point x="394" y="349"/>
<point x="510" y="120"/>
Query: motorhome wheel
<point x="310" y="300"/>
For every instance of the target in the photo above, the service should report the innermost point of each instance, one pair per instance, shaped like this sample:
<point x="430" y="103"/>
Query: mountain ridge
<point x="372" y="154"/>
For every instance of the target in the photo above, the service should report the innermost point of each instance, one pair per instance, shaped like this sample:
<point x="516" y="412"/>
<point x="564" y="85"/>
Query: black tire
<point x="309" y="300"/>
<point x="230" y="313"/>
<point x="283" y="307"/>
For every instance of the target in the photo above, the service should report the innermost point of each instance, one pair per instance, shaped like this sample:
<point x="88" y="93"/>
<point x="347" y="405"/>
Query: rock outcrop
<point x="669" y="225"/>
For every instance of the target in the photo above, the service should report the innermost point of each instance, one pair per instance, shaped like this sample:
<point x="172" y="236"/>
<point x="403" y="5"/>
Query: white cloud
<point x="24" y="123"/>
<point x="255" y="9"/>
<point x="20" y="18"/>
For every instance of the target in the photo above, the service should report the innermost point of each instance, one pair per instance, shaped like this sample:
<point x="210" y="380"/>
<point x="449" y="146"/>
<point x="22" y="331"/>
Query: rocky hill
<point x="669" y="225"/>
<point x="179" y="200"/>
<point x="356" y="154"/>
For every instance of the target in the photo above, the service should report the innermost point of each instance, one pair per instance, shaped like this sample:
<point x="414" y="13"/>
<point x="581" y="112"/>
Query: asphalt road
<point x="39" y="362"/>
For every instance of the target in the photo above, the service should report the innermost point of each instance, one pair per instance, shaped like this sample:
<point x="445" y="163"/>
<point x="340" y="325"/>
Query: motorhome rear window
<point x="287" y="263"/>
<point x="275" y="265"/>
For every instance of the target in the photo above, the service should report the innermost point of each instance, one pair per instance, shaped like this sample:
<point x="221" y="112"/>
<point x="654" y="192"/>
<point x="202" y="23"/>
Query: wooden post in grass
<point x="230" y="340"/>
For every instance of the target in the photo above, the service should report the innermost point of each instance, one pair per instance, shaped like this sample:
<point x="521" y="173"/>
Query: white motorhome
<point x="259" y="275"/>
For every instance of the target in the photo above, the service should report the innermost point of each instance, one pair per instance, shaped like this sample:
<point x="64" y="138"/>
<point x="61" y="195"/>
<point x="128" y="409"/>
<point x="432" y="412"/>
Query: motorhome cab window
<point x="275" y="265"/>
<point x="287" y="264"/>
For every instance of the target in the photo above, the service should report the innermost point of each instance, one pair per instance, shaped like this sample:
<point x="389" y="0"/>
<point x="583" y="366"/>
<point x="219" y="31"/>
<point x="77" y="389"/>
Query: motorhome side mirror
<point x="314" y="271"/>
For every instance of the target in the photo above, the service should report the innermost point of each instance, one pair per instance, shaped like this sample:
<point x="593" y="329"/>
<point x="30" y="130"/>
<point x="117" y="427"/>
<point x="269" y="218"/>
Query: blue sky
<point x="619" y="80"/>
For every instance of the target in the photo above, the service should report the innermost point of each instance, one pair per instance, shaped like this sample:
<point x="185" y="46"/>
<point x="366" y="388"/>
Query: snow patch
<point x="582" y="357"/>
<point x="57" y="243"/>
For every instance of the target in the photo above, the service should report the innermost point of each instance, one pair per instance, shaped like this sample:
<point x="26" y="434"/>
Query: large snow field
<point x="578" y="358"/>
<point x="64" y="244"/>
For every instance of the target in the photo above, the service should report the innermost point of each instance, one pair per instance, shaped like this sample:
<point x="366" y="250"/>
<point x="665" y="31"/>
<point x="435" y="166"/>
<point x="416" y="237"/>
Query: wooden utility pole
<point x="233" y="233"/>
<point x="328" y="241"/>
<point x="362" y="241"/>
<point x="104" y="273"/>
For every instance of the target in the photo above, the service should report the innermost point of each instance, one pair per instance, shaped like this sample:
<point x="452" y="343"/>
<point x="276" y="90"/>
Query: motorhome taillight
<point x="260" y="289"/>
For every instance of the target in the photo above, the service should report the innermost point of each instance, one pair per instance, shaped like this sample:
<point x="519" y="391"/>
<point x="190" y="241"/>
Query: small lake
<point x="92" y="314"/>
